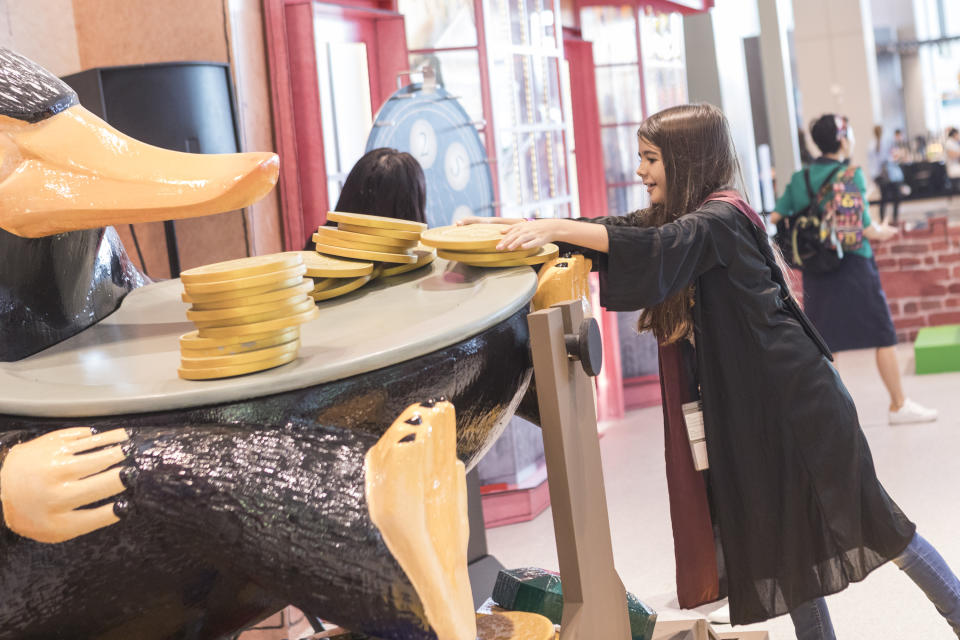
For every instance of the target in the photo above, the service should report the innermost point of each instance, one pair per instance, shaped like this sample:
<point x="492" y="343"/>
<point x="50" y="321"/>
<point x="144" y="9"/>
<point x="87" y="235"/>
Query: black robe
<point x="796" y="501"/>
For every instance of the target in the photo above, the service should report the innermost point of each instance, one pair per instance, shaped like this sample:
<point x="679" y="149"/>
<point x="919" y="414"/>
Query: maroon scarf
<point x="693" y="543"/>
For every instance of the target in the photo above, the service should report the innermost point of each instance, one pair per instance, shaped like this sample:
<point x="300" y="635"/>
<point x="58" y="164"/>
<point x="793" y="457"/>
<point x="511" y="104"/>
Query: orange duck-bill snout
<point x="74" y="171"/>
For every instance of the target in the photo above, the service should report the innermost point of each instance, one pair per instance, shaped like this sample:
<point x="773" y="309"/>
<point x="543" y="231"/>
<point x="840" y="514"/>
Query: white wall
<point x="717" y="73"/>
<point x="836" y="65"/>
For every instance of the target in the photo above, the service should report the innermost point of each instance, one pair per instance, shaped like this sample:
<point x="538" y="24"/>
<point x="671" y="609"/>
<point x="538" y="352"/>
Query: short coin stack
<point x="248" y="314"/>
<point x="392" y="244"/>
<point x="476" y="245"/>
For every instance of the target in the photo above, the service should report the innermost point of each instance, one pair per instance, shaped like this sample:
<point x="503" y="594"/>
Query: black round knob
<point x="586" y="346"/>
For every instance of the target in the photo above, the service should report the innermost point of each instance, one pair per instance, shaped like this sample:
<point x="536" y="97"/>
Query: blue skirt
<point x="848" y="306"/>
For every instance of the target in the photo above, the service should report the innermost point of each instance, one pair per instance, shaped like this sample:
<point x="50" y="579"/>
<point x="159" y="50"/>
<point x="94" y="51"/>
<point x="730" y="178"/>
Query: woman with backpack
<point x="847" y="304"/>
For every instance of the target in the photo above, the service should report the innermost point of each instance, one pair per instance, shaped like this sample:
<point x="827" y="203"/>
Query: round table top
<point x="127" y="363"/>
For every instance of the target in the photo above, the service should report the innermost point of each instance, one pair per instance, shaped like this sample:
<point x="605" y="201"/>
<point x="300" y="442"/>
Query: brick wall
<point x="920" y="271"/>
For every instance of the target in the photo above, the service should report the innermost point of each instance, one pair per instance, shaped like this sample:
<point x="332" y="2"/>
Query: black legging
<point x="889" y="192"/>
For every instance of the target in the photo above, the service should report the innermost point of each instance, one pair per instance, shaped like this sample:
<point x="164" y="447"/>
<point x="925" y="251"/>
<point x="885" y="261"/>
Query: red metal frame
<point x="295" y="96"/>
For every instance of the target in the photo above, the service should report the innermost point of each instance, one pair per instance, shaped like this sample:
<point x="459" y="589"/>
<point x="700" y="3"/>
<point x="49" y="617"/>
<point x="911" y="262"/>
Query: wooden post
<point x="594" y="599"/>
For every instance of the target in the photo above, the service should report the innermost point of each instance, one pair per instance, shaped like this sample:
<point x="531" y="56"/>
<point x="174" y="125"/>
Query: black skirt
<point x="848" y="306"/>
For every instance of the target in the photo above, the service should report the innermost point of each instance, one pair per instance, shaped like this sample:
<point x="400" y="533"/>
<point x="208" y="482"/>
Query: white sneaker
<point x="720" y="616"/>
<point x="912" y="412"/>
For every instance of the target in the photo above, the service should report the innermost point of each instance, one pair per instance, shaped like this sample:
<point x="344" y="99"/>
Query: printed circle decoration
<point x="435" y="129"/>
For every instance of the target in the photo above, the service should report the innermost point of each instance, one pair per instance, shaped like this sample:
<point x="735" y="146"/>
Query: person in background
<point x="848" y="305"/>
<point x="886" y="174"/>
<point x="384" y="182"/>
<point x="951" y="149"/>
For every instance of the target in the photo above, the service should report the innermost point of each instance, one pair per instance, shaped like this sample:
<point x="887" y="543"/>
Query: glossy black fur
<point x="56" y="286"/>
<point x="243" y="507"/>
<point x="29" y="92"/>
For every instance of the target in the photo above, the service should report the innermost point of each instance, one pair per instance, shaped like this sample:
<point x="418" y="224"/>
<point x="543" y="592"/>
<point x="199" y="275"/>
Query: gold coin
<point x="350" y="244"/>
<point x="343" y="289"/>
<point x="397" y="234"/>
<point x="469" y="237"/>
<point x="425" y="255"/>
<point x="360" y="254"/>
<point x="236" y="344"/>
<point x="546" y="252"/>
<point x="240" y="294"/>
<point x="190" y="361"/>
<point x="303" y="287"/>
<point x="249" y="315"/>
<point x="330" y="235"/>
<point x="321" y="284"/>
<point x="258" y="327"/>
<point x="240" y="268"/>
<point x="477" y="257"/>
<point x="237" y="369"/>
<point x="320" y="266"/>
<point x="514" y="625"/>
<point x="220" y="286"/>
<point x="377" y="222"/>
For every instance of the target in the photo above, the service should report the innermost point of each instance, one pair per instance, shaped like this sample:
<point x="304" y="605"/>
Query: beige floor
<point x="916" y="463"/>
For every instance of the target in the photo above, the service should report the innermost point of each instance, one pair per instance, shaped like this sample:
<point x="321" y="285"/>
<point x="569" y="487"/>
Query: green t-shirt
<point x="795" y="200"/>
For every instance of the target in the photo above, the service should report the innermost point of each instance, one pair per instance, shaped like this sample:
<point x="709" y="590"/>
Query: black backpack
<point x="799" y="237"/>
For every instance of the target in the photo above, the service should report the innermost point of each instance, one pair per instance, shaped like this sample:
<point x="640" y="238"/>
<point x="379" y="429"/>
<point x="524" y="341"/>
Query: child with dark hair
<point x="848" y="305"/>
<point x="794" y="498"/>
<point x="384" y="182"/>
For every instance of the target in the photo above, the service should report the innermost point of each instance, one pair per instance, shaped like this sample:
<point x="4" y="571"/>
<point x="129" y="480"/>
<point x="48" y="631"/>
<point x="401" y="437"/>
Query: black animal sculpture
<point x="228" y="511"/>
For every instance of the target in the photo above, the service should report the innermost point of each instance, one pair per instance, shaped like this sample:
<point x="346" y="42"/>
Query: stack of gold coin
<point x="333" y="277"/>
<point x="392" y="243"/>
<point x="248" y="314"/>
<point x="476" y="245"/>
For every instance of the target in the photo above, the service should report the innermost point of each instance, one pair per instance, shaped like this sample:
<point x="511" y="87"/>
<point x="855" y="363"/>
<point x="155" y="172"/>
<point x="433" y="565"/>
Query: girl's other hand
<point x="487" y="220"/>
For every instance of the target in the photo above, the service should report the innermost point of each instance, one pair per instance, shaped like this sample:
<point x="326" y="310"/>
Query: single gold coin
<point x="477" y="257"/>
<point x="340" y="290"/>
<point x="321" y="284"/>
<point x="272" y="311"/>
<point x="240" y="268"/>
<point x="350" y="244"/>
<point x="425" y="255"/>
<point x="284" y="337"/>
<point x="470" y="237"/>
<point x="321" y="266"/>
<point x="277" y="296"/>
<point x="258" y="327"/>
<point x="221" y="286"/>
<point x="514" y="625"/>
<point x="240" y="294"/>
<point x="397" y="234"/>
<point x="377" y="222"/>
<point x="546" y="252"/>
<point x="189" y="361"/>
<point x="360" y="254"/>
<point x="237" y="369"/>
<point x="192" y="341"/>
<point x="329" y="235"/>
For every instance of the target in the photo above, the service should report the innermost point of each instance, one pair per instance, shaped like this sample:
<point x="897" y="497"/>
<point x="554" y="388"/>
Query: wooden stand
<point x="565" y="347"/>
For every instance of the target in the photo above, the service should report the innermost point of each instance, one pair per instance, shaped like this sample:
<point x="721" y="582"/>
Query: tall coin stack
<point x="248" y="314"/>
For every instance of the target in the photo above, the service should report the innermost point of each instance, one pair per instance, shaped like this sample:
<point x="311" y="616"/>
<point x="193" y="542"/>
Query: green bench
<point x="937" y="349"/>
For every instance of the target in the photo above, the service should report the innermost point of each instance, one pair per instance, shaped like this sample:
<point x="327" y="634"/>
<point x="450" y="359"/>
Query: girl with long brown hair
<point x="791" y="498"/>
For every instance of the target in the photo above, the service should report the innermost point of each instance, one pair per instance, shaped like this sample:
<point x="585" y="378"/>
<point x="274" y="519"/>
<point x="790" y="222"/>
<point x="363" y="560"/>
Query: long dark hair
<point x="698" y="158"/>
<point x="385" y="182"/>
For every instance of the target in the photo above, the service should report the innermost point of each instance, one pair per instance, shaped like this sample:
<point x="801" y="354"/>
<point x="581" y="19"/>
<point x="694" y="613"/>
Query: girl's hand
<point x="880" y="232"/>
<point x="530" y="234"/>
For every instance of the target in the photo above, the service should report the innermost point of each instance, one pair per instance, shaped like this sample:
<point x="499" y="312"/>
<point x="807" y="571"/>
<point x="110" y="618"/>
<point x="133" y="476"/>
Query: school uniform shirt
<point x="795" y="198"/>
<point x="797" y="507"/>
